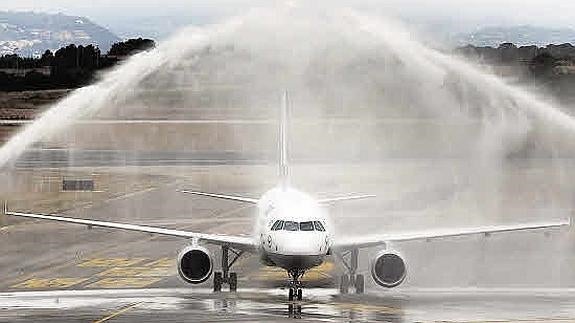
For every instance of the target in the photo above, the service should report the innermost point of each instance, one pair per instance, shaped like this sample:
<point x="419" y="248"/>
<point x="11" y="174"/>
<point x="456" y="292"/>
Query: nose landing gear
<point x="295" y="285"/>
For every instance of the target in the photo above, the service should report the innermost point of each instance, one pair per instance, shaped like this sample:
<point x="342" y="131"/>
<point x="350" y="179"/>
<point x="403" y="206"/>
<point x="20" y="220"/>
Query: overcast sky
<point x="113" y="13"/>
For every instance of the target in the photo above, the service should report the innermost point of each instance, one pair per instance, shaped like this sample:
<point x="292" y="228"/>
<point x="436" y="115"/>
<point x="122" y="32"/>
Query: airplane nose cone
<point x="301" y="243"/>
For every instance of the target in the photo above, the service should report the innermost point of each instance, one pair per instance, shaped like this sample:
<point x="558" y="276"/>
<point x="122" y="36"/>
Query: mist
<point x="442" y="143"/>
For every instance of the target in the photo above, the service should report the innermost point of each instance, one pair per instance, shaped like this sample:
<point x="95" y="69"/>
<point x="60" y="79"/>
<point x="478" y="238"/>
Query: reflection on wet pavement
<point x="262" y="305"/>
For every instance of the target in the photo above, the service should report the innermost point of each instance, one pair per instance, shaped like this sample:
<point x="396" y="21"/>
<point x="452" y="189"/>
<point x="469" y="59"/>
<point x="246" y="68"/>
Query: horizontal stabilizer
<point x="345" y="198"/>
<point x="222" y="196"/>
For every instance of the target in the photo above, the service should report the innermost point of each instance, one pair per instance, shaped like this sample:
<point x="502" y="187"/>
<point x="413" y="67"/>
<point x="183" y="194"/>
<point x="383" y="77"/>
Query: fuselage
<point x="293" y="229"/>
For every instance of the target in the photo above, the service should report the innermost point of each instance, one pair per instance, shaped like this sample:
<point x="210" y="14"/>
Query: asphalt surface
<point x="60" y="158"/>
<point x="264" y="305"/>
<point x="66" y="273"/>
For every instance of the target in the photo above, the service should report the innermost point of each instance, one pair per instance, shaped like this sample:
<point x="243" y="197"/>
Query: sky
<point x="142" y="14"/>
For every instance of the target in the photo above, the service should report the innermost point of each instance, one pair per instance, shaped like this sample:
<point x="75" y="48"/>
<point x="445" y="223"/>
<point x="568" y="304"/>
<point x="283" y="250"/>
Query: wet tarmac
<point x="65" y="273"/>
<point x="60" y="158"/>
<point x="265" y="305"/>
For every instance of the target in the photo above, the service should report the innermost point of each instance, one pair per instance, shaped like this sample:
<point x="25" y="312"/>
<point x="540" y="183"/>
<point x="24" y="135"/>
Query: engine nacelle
<point x="388" y="269"/>
<point x="195" y="264"/>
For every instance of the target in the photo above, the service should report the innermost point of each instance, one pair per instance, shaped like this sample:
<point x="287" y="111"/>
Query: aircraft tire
<point x="344" y="284"/>
<point x="359" y="284"/>
<point x="291" y="294"/>
<point x="217" y="281"/>
<point x="299" y="294"/>
<point x="233" y="282"/>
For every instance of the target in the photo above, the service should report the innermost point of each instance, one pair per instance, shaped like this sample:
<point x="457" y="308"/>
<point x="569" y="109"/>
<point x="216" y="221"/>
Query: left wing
<point x="238" y="242"/>
<point x="371" y="241"/>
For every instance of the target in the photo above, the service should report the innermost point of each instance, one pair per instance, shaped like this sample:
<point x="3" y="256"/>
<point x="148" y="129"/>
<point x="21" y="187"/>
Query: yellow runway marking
<point x="369" y="308"/>
<point x="111" y="262"/>
<point x="314" y="274"/>
<point x="163" y="262"/>
<point x="321" y="272"/>
<point x="126" y="282"/>
<point x="138" y="272"/>
<point x="119" y="312"/>
<point x="125" y="276"/>
<point x="69" y="263"/>
<point x="113" y="248"/>
<point x="49" y="283"/>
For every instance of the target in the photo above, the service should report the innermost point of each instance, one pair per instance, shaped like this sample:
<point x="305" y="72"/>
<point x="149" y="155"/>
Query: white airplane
<point x="292" y="232"/>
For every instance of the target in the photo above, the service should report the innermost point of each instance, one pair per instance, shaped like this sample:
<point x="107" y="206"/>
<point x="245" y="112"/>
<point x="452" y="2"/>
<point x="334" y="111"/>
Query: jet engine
<point x="388" y="269"/>
<point x="195" y="264"/>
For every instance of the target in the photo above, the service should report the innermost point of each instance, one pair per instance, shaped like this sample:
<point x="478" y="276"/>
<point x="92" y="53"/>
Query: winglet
<point x="5" y="207"/>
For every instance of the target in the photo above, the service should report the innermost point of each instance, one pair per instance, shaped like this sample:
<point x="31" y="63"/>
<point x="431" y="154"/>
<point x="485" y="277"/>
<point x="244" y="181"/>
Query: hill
<point x="30" y="34"/>
<point x="519" y="35"/>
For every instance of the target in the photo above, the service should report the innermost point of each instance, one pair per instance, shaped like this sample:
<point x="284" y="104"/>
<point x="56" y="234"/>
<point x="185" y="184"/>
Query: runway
<point x="60" y="158"/>
<point x="64" y="273"/>
<point x="266" y="305"/>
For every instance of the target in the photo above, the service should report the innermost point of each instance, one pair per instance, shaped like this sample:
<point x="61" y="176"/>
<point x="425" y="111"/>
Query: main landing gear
<point x="295" y="285"/>
<point x="224" y="276"/>
<point x="351" y="278"/>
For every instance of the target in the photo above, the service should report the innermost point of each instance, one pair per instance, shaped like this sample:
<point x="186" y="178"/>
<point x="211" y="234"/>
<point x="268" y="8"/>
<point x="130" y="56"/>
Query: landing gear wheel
<point x="295" y="285"/>
<point x="218" y="281"/>
<point x="344" y="284"/>
<point x="233" y="282"/>
<point x="225" y="276"/>
<point x="359" y="284"/>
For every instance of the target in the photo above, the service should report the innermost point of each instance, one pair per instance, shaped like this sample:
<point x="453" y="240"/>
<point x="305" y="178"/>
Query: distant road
<point x="261" y="121"/>
<point x="123" y="122"/>
<point x="56" y="158"/>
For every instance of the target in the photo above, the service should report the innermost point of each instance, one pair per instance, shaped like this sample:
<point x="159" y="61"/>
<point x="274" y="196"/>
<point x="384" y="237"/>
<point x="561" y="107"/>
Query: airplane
<point x="292" y="232"/>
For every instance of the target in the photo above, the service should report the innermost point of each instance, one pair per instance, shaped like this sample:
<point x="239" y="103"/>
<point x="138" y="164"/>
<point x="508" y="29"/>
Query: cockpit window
<point x="291" y="226"/>
<point x="318" y="226"/>
<point x="278" y="225"/>
<point x="306" y="226"/>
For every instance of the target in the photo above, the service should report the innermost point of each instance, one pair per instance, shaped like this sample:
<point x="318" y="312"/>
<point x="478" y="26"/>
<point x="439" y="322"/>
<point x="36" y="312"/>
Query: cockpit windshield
<point x="318" y="226"/>
<point x="306" y="226"/>
<point x="291" y="226"/>
<point x="297" y="226"/>
<point x="278" y="225"/>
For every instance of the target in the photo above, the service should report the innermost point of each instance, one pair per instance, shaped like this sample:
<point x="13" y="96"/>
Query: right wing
<point x="237" y="242"/>
<point x="224" y="197"/>
<point x="371" y="241"/>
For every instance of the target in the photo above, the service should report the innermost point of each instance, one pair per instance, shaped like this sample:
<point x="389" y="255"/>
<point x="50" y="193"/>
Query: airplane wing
<point x="345" y="198"/>
<point x="225" y="197"/>
<point x="237" y="242"/>
<point x="371" y="241"/>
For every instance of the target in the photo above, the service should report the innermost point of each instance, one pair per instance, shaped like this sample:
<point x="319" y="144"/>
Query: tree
<point x="47" y="58"/>
<point x="71" y="66"/>
<point x="66" y="58"/>
<point x="131" y="47"/>
<point x="543" y="64"/>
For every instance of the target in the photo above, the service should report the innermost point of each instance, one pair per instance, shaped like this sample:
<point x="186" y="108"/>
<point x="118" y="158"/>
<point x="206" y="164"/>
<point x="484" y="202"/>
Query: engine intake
<point x="388" y="269"/>
<point x="195" y="264"/>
